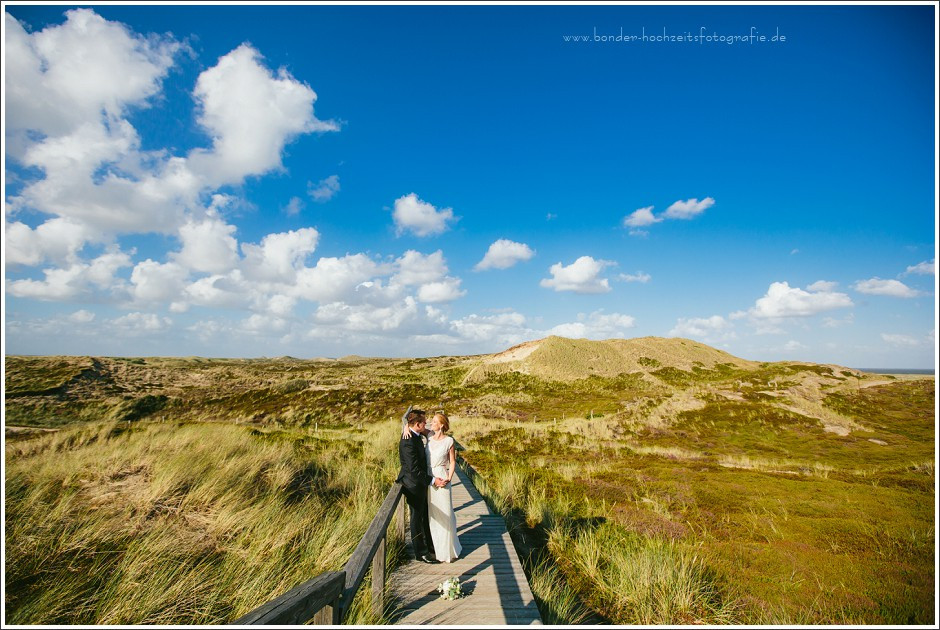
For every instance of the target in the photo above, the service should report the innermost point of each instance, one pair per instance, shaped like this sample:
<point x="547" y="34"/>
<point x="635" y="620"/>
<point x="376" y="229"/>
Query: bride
<point x="443" y="462"/>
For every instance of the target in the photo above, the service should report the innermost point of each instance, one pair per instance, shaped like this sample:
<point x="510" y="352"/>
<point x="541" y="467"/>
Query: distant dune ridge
<point x="563" y="359"/>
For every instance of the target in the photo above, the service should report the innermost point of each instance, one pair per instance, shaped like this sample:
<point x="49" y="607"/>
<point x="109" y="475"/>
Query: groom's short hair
<point x="415" y="416"/>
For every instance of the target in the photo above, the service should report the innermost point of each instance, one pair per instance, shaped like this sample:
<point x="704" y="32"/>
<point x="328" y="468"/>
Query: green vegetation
<point x="648" y="481"/>
<point x="183" y="523"/>
<point x="734" y="513"/>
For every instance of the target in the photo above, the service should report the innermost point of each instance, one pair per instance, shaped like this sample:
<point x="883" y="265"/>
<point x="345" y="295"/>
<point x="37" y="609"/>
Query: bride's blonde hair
<point x="445" y="423"/>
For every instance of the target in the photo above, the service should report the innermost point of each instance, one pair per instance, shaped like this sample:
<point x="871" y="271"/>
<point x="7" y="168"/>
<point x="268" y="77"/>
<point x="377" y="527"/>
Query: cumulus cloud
<point x="892" y="288"/>
<point x="900" y="340"/>
<point x="793" y="346"/>
<point x="832" y="322"/>
<point x="419" y="217"/>
<point x="822" y="285"/>
<point x="134" y="324"/>
<point x="294" y="207"/>
<point x="208" y="245"/>
<point x="597" y="325"/>
<point x="335" y="279"/>
<point x="641" y="217"/>
<point x="446" y="290"/>
<point x="708" y="329"/>
<point x="250" y="113"/>
<point x="158" y="282"/>
<point x="644" y="217"/>
<point x="581" y="276"/>
<point x="280" y="255"/>
<point x="688" y="209"/>
<point x="58" y="240"/>
<point x="416" y="268"/>
<point x="639" y="276"/>
<point x="78" y="281"/>
<point x="68" y="74"/>
<point x="503" y="254"/>
<point x="927" y="267"/>
<point x="325" y="189"/>
<point x="782" y="301"/>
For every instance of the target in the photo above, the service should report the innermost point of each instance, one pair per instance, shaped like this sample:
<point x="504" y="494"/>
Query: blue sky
<point x="426" y="180"/>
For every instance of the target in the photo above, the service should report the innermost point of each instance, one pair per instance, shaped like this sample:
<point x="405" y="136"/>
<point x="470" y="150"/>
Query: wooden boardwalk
<point x="488" y="569"/>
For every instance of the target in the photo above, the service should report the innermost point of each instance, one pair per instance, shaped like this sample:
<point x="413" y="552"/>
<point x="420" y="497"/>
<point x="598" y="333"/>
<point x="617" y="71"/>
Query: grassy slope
<point x="181" y="524"/>
<point x="757" y="485"/>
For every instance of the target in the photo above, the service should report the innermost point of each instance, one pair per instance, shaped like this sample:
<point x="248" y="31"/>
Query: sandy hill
<point x="559" y="358"/>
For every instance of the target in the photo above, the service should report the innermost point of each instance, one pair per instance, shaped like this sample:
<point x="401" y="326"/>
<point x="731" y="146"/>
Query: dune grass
<point x="182" y="524"/>
<point x="736" y="513"/>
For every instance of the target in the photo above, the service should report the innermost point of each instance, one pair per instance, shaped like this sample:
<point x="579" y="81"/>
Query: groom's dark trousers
<point x="416" y="481"/>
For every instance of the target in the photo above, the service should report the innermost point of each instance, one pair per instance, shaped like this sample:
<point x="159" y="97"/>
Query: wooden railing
<point x="326" y="599"/>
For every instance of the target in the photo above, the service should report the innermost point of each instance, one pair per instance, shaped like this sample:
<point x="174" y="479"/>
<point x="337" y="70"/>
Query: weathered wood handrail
<point x="327" y="598"/>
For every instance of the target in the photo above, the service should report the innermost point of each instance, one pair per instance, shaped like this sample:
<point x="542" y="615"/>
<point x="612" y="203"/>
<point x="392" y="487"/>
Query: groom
<point x="415" y="480"/>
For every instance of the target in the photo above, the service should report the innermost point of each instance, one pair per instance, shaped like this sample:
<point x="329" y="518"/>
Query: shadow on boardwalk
<point x="489" y="570"/>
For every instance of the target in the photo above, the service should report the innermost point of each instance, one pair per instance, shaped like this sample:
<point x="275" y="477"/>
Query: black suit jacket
<point x="414" y="463"/>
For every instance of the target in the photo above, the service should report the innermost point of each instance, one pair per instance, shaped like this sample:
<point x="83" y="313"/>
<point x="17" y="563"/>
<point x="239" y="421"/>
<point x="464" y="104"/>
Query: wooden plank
<point x="299" y="604"/>
<point x="489" y="568"/>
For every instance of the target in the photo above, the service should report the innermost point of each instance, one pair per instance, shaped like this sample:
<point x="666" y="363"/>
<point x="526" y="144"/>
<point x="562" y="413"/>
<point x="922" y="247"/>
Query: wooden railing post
<point x="400" y="519"/>
<point x="328" y="615"/>
<point x="378" y="579"/>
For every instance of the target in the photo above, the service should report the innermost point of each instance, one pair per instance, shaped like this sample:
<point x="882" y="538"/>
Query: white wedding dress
<point x="440" y="505"/>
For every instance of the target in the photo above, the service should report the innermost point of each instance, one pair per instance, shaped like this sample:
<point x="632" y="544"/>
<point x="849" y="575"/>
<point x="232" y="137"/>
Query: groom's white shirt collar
<point x="415" y="432"/>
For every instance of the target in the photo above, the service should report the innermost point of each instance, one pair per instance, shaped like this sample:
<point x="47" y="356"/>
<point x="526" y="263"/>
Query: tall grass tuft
<point x="190" y="524"/>
<point x="641" y="580"/>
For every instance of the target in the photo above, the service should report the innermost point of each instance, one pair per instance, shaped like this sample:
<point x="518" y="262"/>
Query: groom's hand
<point x="440" y="483"/>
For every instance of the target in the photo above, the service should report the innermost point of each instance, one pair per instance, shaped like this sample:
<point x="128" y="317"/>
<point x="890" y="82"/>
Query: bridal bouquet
<point x="450" y="589"/>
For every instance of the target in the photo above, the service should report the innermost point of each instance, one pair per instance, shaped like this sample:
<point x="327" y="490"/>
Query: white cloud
<point x="927" y="267"/>
<point x="334" y="279"/>
<point x="208" y="245"/>
<point x="793" y="346"/>
<point x="900" y="340"/>
<point x="581" y="276"/>
<point x="688" y="209"/>
<point x="294" y="207"/>
<point x="68" y="74"/>
<point x="158" y="282"/>
<point x="708" y="329"/>
<point x="134" y="324"/>
<point x="419" y="217"/>
<point x="597" y="325"/>
<point x="58" y="240"/>
<point x="416" y="268"/>
<point x="77" y="281"/>
<point x="832" y="322"/>
<point x="325" y="189"/>
<point x="280" y="255"/>
<point x="503" y="254"/>
<point x="219" y="291"/>
<point x="446" y="290"/>
<point x="635" y="277"/>
<point x="641" y="218"/>
<point x="783" y="301"/>
<point x="507" y="329"/>
<point x="82" y="317"/>
<point x="822" y="285"/>
<point x="892" y="288"/>
<point x="250" y="114"/>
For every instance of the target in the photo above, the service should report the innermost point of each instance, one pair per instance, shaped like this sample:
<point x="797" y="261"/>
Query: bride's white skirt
<point x="443" y="522"/>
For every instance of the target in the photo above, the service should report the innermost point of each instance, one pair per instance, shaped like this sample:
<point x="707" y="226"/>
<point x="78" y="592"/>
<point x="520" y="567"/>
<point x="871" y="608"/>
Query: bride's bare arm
<point x="452" y="465"/>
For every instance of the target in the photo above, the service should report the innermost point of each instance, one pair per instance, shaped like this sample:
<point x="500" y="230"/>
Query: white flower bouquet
<point x="450" y="589"/>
